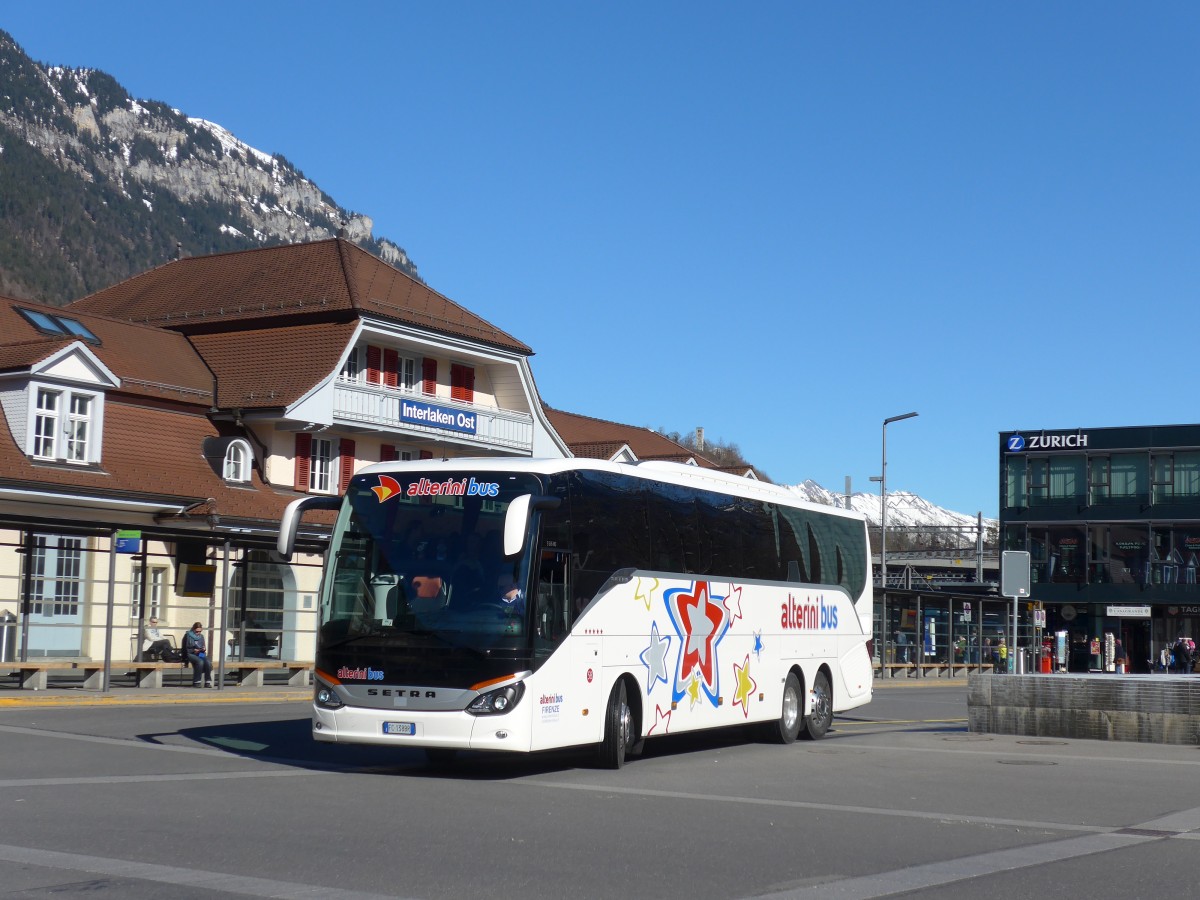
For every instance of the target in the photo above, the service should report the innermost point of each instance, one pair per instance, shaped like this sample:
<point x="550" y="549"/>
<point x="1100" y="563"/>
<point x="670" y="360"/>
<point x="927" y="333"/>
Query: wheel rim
<point x="791" y="708"/>
<point x="822" y="711"/>
<point x="625" y="718"/>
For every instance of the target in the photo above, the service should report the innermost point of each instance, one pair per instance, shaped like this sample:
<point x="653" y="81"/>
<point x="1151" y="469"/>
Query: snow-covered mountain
<point x="904" y="509"/>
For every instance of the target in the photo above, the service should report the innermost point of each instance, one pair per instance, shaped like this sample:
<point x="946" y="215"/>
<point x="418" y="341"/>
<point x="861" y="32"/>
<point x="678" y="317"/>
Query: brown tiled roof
<point x="150" y="454"/>
<point x="272" y="367"/>
<point x="582" y="433"/>
<point x="149" y="361"/>
<point x="29" y="353"/>
<point x="330" y="279"/>
<point x="597" y="449"/>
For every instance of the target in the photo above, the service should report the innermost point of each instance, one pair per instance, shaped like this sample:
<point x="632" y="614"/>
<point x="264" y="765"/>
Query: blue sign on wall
<point x="129" y="542"/>
<point x="437" y="416"/>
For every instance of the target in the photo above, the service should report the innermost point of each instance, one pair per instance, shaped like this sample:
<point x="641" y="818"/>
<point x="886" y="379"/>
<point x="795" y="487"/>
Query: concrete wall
<point x="1159" y="709"/>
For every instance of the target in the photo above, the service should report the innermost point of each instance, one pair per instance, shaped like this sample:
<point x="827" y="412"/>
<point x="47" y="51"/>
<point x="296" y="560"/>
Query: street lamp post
<point x="883" y="530"/>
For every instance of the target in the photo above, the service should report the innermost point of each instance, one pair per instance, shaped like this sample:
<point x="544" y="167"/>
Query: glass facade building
<point x="1111" y="519"/>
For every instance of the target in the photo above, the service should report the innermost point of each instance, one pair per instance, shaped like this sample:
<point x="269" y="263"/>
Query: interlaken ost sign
<point x="417" y="413"/>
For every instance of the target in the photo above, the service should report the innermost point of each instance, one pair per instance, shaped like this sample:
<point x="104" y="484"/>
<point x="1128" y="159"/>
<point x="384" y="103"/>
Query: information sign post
<point x="1014" y="583"/>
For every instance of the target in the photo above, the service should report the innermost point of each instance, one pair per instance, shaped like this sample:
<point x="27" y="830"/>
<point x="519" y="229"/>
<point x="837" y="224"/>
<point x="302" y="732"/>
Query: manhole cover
<point x="1045" y="743"/>
<point x="1026" y="762"/>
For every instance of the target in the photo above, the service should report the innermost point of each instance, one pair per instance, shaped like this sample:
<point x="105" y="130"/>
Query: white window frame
<point x="353" y="370"/>
<point x="321" y="466"/>
<point x="406" y="379"/>
<point x="64" y="433"/>
<point x="155" y="596"/>
<point x="56" y="576"/>
<point x="77" y="426"/>
<point x="46" y="419"/>
<point x="237" y="466"/>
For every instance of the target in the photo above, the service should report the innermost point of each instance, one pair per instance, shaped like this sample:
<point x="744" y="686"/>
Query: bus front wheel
<point x="818" y="721"/>
<point x="786" y="728"/>
<point x="620" y="733"/>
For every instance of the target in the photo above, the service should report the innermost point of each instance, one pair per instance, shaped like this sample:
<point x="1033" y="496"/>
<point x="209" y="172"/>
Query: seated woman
<point x="197" y="655"/>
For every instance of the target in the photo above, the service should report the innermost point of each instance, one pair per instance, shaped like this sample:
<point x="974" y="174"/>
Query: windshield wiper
<point x="354" y="637"/>
<point x="392" y="637"/>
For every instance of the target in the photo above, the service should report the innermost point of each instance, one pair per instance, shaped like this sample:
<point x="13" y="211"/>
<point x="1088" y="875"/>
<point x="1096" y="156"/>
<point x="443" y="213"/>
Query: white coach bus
<point x="522" y="605"/>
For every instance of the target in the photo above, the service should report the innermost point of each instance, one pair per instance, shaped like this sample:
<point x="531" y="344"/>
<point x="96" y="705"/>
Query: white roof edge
<point x="675" y="473"/>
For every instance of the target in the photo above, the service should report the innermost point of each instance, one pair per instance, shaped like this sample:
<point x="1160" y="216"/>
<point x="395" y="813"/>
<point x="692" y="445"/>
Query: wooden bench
<point x="34" y="674"/>
<point x="890" y="669"/>
<point x="249" y="672"/>
<point x="961" y="669"/>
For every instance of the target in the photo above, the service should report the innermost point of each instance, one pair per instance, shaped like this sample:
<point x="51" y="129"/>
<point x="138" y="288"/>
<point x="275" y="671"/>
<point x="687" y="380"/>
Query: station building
<point x="152" y="433"/>
<point x="1111" y="519"/>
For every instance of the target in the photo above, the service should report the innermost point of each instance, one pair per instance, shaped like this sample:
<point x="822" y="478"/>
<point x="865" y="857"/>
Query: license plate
<point x="408" y="728"/>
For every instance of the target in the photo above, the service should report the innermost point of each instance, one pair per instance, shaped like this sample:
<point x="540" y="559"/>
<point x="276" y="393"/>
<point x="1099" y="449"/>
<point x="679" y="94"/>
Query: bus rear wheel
<point x="818" y="721"/>
<point x="620" y="734"/>
<point x="785" y="729"/>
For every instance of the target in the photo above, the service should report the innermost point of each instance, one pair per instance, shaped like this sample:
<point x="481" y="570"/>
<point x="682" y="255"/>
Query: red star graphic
<point x="702" y="620"/>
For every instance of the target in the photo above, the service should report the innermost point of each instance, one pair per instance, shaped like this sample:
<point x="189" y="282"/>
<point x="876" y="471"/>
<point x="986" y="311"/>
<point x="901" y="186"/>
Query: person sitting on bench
<point x="155" y="645"/>
<point x="197" y="654"/>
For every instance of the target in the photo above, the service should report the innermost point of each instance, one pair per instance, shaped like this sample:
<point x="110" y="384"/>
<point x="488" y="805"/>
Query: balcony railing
<point x="379" y="407"/>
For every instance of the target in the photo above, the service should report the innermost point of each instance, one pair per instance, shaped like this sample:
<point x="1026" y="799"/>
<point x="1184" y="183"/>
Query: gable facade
<point x="217" y="390"/>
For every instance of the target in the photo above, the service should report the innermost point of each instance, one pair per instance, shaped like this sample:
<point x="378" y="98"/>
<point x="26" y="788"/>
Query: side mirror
<point x="516" y="519"/>
<point x="290" y="521"/>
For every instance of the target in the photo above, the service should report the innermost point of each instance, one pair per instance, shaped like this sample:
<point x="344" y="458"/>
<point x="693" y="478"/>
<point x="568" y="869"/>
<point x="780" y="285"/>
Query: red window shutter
<point x="462" y="383"/>
<point x="373" y="354"/>
<point x="426" y="454"/>
<point x="388" y="453"/>
<point x="391" y="368"/>
<point x="346" y="450"/>
<point x="429" y="375"/>
<point x="303" y="460"/>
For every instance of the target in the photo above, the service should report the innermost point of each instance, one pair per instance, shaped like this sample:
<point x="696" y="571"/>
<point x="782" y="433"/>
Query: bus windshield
<point x="417" y="559"/>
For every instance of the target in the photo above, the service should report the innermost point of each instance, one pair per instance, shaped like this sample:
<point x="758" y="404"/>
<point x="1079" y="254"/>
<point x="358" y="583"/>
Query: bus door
<point x="553" y="613"/>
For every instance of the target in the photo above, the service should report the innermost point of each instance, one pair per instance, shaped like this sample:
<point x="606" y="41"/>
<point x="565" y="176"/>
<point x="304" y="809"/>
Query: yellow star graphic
<point x="745" y="686"/>
<point x="646" y="596"/>
<point x="693" y="689"/>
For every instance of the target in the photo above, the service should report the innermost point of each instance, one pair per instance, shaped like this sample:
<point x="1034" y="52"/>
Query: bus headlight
<point x="497" y="702"/>
<point x="326" y="697"/>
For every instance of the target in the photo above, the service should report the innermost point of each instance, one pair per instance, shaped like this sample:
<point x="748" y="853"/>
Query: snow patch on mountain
<point x="905" y="509"/>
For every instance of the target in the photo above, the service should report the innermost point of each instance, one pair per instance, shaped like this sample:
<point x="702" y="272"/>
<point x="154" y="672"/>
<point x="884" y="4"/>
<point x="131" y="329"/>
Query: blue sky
<point x="783" y="222"/>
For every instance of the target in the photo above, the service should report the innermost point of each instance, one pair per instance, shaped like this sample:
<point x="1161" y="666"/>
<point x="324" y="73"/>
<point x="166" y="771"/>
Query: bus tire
<point x="818" y="721"/>
<point x="785" y="729"/>
<point x="620" y="734"/>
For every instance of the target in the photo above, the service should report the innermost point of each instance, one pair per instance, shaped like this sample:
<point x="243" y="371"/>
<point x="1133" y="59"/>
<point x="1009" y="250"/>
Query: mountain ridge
<point x="96" y="186"/>
<point x="908" y="514"/>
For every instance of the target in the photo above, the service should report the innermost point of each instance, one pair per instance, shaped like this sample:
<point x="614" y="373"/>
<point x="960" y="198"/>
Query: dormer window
<point x="237" y="462"/>
<point x="372" y="364"/>
<point x="64" y="421"/>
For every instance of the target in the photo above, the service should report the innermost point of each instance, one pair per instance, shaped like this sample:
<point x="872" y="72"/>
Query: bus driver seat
<point x="429" y="593"/>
